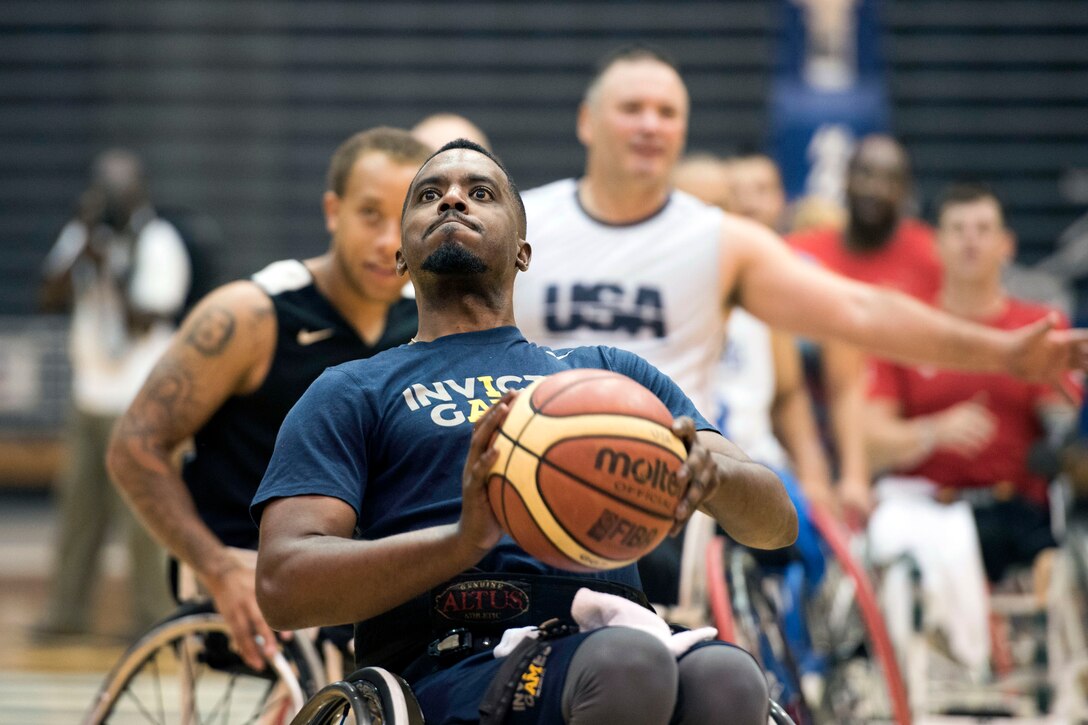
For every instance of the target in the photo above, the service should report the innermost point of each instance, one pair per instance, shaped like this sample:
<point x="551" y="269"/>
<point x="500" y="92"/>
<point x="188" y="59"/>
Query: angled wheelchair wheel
<point x="759" y="628"/>
<point x="1067" y="620"/>
<point x="864" y="683"/>
<point x="370" y="696"/>
<point x="779" y="716"/>
<point x="183" y="671"/>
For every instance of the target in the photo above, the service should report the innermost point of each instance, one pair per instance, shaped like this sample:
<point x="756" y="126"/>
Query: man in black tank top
<point x="242" y="358"/>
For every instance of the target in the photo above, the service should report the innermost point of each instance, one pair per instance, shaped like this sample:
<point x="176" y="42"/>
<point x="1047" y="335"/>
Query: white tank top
<point x="651" y="287"/>
<point x="745" y="390"/>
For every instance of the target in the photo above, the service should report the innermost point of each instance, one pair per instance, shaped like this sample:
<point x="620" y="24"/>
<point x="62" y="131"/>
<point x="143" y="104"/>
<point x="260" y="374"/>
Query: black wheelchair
<point x="375" y="696"/>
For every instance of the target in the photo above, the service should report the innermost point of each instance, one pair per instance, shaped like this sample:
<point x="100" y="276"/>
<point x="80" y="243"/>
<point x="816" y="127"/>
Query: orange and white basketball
<point x="586" y="474"/>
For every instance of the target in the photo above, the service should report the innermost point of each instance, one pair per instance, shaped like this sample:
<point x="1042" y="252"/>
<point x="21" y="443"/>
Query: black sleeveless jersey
<point x="233" y="448"/>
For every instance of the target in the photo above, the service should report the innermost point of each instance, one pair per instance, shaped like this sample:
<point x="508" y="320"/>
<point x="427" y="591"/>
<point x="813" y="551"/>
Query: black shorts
<point x="453" y="695"/>
<point x="1011" y="533"/>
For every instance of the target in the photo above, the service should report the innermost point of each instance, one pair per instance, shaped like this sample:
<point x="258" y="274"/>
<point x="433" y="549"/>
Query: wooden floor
<point x="49" y="683"/>
<point x="54" y="682"/>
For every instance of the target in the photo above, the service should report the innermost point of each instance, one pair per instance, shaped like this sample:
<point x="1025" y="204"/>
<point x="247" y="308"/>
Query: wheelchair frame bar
<point x="718" y="590"/>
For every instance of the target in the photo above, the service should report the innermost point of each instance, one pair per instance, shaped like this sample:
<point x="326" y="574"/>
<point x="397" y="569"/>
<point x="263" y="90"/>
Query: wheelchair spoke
<point x="265" y="706"/>
<point x="131" y="695"/>
<point x="158" y="688"/>
<point x="185" y="658"/>
<point x="224" y="699"/>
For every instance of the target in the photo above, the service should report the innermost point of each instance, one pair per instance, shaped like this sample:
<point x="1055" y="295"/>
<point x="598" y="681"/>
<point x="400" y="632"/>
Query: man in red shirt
<point x="955" y="435"/>
<point x="879" y="245"/>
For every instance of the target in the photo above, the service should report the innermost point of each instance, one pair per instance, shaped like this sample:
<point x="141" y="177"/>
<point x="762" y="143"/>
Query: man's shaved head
<point x="439" y="129"/>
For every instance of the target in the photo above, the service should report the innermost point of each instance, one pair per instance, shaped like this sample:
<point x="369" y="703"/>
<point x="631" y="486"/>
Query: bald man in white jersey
<point x="623" y="259"/>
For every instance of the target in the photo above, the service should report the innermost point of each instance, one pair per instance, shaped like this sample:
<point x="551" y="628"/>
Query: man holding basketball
<point x="375" y="508"/>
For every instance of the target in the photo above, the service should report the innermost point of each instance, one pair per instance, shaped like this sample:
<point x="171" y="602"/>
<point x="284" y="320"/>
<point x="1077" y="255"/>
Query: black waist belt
<point x="470" y="613"/>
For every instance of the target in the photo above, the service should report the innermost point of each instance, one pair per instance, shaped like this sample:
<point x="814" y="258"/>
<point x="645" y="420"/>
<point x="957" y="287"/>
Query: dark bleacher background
<point x="237" y="106"/>
<point x="996" y="90"/>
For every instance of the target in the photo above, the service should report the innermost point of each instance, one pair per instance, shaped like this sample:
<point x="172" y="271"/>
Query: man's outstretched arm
<point x="785" y="291"/>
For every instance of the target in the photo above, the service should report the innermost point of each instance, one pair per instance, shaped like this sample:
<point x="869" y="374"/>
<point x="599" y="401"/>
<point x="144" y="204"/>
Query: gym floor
<point x="53" y="682"/>
<point x="49" y="682"/>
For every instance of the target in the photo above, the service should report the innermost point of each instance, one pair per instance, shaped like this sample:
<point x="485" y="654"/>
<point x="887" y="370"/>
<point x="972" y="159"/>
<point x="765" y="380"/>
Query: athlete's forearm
<point x="141" y="468"/>
<point x="793" y="419"/>
<point x="320" y="579"/>
<point x="753" y="507"/>
<point x="891" y="324"/>
<point x="844" y="378"/>
<point x="795" y="426"/>
<point x="893" y="443"/>
<point x="788" y="293"/>
<point x="750" y="503"/>
<point x="227" y="337"/>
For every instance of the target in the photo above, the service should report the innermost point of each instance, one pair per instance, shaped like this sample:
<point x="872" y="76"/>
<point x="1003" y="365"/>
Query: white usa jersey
<point x="651" y="287"/>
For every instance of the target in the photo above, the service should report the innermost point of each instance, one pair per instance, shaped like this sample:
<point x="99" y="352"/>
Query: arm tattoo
<point x="164" y="403"/>
<point x="212" y="331"/>
<point x="161" y="414"/>
<point x="259" y="313"/>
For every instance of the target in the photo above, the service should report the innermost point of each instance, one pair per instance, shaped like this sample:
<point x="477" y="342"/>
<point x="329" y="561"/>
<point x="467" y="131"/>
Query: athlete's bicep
<point x="783" y="290"/>
<point x="294" y="531"/>
<point x="222" y="343"/>
<point x="291" y="518"/>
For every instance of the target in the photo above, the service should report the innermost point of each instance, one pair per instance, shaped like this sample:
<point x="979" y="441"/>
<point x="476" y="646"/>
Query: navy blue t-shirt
<point x="389" y="435"/>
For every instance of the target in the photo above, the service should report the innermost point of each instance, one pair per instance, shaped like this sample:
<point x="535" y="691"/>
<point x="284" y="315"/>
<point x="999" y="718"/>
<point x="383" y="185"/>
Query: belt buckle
<point x="453" y="643"/>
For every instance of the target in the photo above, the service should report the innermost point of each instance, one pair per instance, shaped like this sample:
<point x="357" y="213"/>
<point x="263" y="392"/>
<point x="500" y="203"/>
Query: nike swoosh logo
<point x="558" y="357"/>
<point x="309" y="337"/>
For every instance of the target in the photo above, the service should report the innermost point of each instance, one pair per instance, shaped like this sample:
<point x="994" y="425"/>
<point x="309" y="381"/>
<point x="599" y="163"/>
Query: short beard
<point x="873" y="236"/>
<point x="453" y="259"/>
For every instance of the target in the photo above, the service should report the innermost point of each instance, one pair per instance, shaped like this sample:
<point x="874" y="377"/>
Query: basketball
<point x="586" y="474"/>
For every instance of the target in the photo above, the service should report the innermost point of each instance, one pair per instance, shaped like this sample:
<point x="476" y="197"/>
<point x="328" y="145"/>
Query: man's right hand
<point x="233" y="589"/>
<point x="478" y="529"/>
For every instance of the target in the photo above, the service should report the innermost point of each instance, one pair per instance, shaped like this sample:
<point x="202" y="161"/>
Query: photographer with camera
<point x="124" y="274"/>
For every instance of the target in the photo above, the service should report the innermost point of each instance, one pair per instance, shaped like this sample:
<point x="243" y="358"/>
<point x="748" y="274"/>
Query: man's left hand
<point x="699" y="476"/>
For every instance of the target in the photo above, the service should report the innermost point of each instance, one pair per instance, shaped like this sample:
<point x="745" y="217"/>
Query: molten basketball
<point x="586" y="474"/>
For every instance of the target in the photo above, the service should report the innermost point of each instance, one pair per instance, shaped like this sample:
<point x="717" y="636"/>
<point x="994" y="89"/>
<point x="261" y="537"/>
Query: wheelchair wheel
<point x="183" y="671"/>
<point x="779" y="716"/>
<point x="1068" y="625"/>
<point x="863" y="683"/>
<point x="759" y="627"/>
<point x="370" y="696"/>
